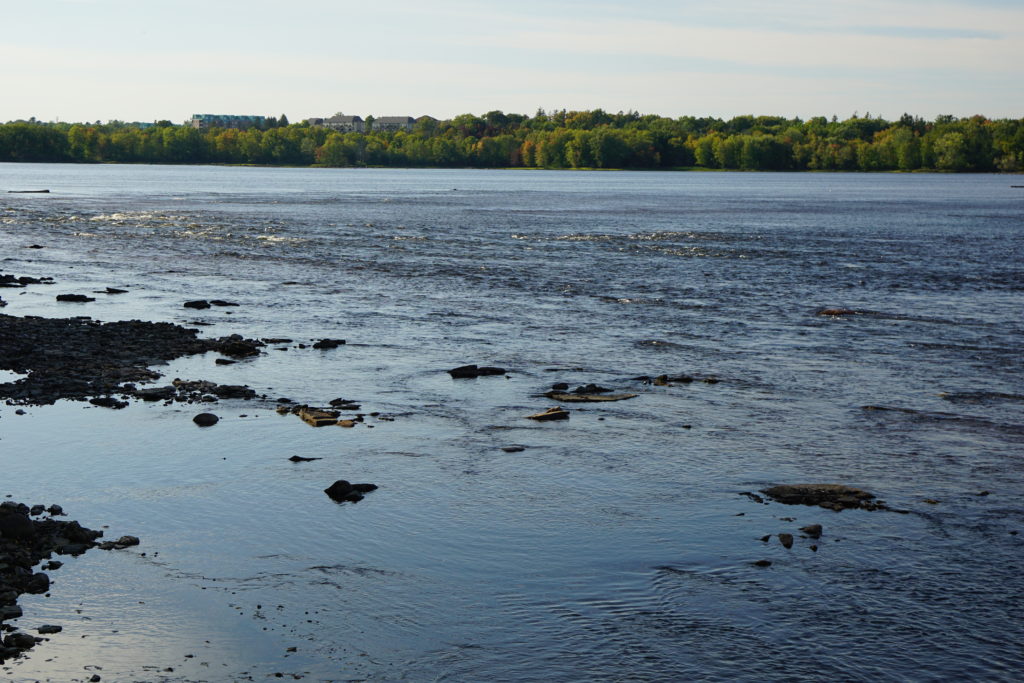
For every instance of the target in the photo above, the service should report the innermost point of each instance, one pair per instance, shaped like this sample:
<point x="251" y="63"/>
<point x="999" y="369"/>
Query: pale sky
<point x="139" y="60"/>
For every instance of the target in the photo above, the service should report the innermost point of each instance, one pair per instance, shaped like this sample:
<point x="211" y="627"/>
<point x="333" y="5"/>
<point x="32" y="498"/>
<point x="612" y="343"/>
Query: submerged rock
<point x="328" y="343"/>
<point x="75" y="298"/>
<point x="587" y="398"/>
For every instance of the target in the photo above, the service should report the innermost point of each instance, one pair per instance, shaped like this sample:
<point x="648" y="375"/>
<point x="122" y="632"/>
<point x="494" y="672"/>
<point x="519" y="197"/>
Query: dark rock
<point x="37" y="584"/>
<point x="513" y="449"/>
<point x="464" y="371"/>
<point x="786" y="540"/>
<point x="812" y="530"/>
<point x="234" y="391"/>
<point x="47" y="629"/>
<point x="762" y="563"/>
<point x="198" y="304"/>
<point x="221" y="302"/>
<point x="559" y="386"/>
<point x="752" y="496"/>
<point x="328" y="343"/>
<point x="224" y="361"/>
<point x="239" y="348"/>
<point x="836" y="312"/>
<point x="19" y="640"/>
<point x="52" y="565"/>
<point x="75" y="298"/>
<point x="206" y="419"/>
<point x="119" y="544"/>
<point x="299" y="458"/>
<point x="276" y="340"/>
<point x="766" y="538"/>
<point x="37" y="510"/>
<point x="490" y="370"/>
<point x="155" y="393"/>
<point x="8" y="612"/>
<point x="830" y="496"/>
<point x="14" y="525"/>
<point x="591" y="389"/>
<point x="55" y="510"/>
<point x="114" y="290"/>
<point x="108" y="402"/>
<point x="342" y="491"/>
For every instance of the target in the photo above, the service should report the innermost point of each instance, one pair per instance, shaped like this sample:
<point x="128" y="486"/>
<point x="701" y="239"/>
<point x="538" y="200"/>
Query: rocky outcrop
<point x="24" y="543"/>
<point x="471" y="371"/>
<point x="80" y="358"/>
<point x="343" y="492"/>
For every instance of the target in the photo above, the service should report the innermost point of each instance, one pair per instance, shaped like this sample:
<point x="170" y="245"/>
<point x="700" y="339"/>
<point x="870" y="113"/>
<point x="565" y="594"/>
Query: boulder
<point x="328" y="343"/>
<point x="812" y="530"/>
<point x="75" y="298"/>
<point x="198" y="304"/>
<point x="342" y="491"/>
<point x="206" y="419"/>
<point x="470" y="371"/>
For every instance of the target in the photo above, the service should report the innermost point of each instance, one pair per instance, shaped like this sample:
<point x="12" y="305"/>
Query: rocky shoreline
<point x="24" y="543"/>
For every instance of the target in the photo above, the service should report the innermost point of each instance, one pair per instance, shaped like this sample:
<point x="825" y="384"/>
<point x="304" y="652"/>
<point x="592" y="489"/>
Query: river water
<point x="617" y="546"/>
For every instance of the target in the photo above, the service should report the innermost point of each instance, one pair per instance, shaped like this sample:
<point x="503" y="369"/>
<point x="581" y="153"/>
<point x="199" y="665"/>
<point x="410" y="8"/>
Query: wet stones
<point x="198" y="304"/>
<point x="829" y="496"/>
<point x="786" y="540"/>
<point x="342" y="491"/>
<point x="108" y="402"/>
<point x="75" y="298"/>
<point x="119" y="544"/>
<point x="471" y="371"/>
<point x="812" y="530"/>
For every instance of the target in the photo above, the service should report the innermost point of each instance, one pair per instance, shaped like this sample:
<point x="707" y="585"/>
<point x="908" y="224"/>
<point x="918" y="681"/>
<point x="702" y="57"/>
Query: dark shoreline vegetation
<point x="557" y="140"/>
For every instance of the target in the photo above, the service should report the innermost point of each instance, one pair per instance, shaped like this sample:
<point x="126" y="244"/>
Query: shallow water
<point x="616" y="546"/>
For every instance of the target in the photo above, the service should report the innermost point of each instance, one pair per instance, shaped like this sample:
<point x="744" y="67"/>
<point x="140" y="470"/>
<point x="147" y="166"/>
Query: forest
<point x="552" y="140"/>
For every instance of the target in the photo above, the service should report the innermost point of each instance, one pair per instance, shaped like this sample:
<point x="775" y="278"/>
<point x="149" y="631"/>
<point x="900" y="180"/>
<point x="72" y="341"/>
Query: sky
<point x="100" y="60"/>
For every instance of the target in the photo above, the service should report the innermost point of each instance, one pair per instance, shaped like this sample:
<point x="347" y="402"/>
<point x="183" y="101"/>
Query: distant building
<point x="393" y="123"/>
<point x="204" y="121"/>
<point x="343" y="123"/>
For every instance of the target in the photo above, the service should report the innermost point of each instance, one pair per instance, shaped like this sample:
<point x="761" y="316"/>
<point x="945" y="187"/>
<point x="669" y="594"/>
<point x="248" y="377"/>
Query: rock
<point x="47" y="629"/>
<point x="224" y="361"/>
<point x="52" y="565"/>
<point x="837" y="311"/>
<point x="347" y="424"/>
<point x="19" y="640"/>
<point x="470" y="371"/>
<point x="55" y="510"/>
<point x="239" y="348"/>
<point x="37" y="584"/>
<point x="786" y="540"/>
<point x="108" y="402"/>
<point x="155" y="393"/>
<point x="198" y="304"/>
<point x="206" y="419"/>
<point x="37" y="510"/>
<point x="587" y="398"/>
<point x="591" y="389"/>
<point x="120" y="544"/>
<point x="221" y="302"/>
<point x="316" y="417"/>
<point x="556" y="413"/>
<point x="812" y="530"/>
<point x="299" y="458"/>
<point x="328" y="343"/>
<point x="8" y="612"/>
<point x="513" y="449"/>
<point x="342" y="491"/>
<point x="762" y="563"/>
<point x="830" y="496"/>
<point x="75" y="298"/>
<point x="114" y="290"/>
<point x="233" y="391"/>
<point x="17" y="526"/>
<point x="560" y="386"/>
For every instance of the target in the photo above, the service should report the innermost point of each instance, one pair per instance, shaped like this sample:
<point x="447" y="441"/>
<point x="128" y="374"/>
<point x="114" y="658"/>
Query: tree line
<point x="555" y="140"/>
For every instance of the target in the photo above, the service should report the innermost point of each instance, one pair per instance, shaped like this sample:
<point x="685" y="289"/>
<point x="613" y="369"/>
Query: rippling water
<point x="616" y="546"/>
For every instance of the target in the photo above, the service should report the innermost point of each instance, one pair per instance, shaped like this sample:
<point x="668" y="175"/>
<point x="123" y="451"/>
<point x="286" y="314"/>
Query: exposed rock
<point x="299" y="458"/>
<point x="47" y="629"/>
<point x="113" y="290"/>
<point x="108" y="402"/>
<point x="560" y="386"/>
<point x="837" y="311"/>
<point x="206" y="419"/>
<point x="762" y="563"/>
<point x="786" y="540"/>
<point x="221" y="302"/>
<point x="470" y="371"/>
<point x="513" y="449"/>
<point x="328" y="343"/>
<point x="75" y="298"/>
<point x="831" y="496"/>
<point x="342" y="491"/>
<point x="556" y="413"/>
<point x="198" y="304"/>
